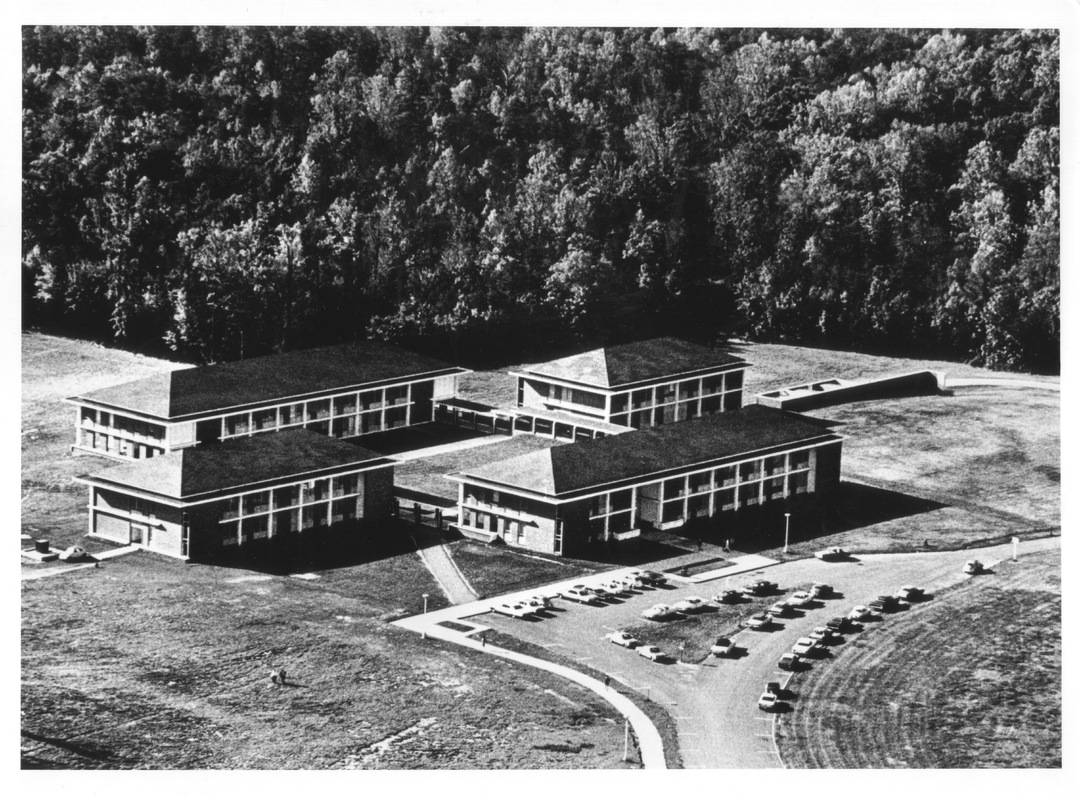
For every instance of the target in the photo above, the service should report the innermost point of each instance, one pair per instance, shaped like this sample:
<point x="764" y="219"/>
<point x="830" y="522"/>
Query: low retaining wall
<point x="834" y="391"/>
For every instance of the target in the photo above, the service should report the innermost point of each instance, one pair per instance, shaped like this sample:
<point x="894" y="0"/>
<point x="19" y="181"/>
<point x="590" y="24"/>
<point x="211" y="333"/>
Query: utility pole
<point x="787" y="527"/>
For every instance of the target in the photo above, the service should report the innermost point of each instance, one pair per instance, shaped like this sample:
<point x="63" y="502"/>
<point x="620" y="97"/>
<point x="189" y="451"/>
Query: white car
<point x="657" y="612"/>
<point x="761" y="621"/>
<point x="631" y="582"/>
<point x="691" y="604"/>
<point x="624" y="639"/>
<point x="537" y="600"/>
<point x="579" y="593"/>
<point x="514" y="610"/>
<point x="804" y="646"/>
<point x="723" y="647"/>
<point x="617" y="587"/>
<point x="768" y="702"/>
<point x="652" y="652"/>
<point x="860" y="613"/>
<point x="800" y="599"/>
<point x="528" y="608"/>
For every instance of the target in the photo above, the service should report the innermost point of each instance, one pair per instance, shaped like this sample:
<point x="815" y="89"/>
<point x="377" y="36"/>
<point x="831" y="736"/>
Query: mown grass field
<point x="971" y="680"/>
<point x="493" y="570"/>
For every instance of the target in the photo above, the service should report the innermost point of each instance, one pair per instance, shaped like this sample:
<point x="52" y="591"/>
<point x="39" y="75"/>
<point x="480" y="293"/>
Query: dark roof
<point x="232" y="465"/>
<point x="636" y="362"/>
<point x="267" y="379"/>
<point x="572" y="467"/>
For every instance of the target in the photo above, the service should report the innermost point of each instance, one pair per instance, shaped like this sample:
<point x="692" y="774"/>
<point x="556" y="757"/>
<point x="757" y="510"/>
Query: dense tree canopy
<point x="235" y="191"/>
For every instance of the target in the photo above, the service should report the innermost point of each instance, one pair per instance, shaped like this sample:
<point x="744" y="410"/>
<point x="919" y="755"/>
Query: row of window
<point x="677" y="412"/>
<point x="680" y="391"/>
<point x="510" y="503"/>
<point x="117" y="445"/>
<point x="136" y="429"/>
<point x="261" y="502"/>
<point x="296" y="520"/>
<point x="510" y="530"/>
<point x="354" y="414"/>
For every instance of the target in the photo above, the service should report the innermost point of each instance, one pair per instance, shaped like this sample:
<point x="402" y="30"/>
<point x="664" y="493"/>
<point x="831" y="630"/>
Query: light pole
<point x="425" y="601"/>
<point x="787" y="527"/>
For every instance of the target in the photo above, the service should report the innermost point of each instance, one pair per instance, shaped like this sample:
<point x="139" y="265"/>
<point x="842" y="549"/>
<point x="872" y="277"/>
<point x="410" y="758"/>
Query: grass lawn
<point x="494" y="570"/>
<point x="149" y="663"/>
<point x="972" y="679"/>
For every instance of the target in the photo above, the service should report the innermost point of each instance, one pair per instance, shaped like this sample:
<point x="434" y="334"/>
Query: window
<point x="701" y="481"/>
<point x="732" y="401"/>
<point x="710" y="405"/>
<point x="266" y="419"/>
<point x="598" y="505"/>
<point x="343" y="510"/>
<point x="674" y="487"/>
<point x="725" y="476"/>
<point x="689" y="389"/>
<point x="774" y="464"/>
<point x="800" y="459"/>
<point x="748" y="494"/>
<point x="286" y="522"/>
<point x="346" y="484"/>
<point x="259" y="502"/>
<point x="371" y="400"/>
<point x="750" y="470"/>
<point x="285" y="496"/>
<point x="698" y="505"/>
<point x="620" y="522"/>
<point x="318" y="410"/>
<point x="712" y="384"/>
<point x="396" y="395"/>
<point x="726" y="499"/>
<point x="345" y="426"/>
<point x="396" y="417"/>
<point x="621" y="500"/>
<point x="641" y="398"/>
<point x="618" y="403"/>
<point x="236" y="425"/>
<point x="735" y="379"/>
<point x="665" y="393"/>
<point x="672" y="512"/>
<point x="230" y="508"/>
<point x="370" y="423"/>
<point x="344" y="404"/>
<point x="292" y="414"/>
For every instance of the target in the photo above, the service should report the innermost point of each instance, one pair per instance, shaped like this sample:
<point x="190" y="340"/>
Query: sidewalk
<point x="649" y="741"/>
<point x="429" y="546"/>
<point x="55" y="571"/>
<point x="950" y="383"/>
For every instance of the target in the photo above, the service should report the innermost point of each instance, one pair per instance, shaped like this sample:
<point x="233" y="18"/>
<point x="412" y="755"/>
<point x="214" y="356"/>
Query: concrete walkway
<point x="99" y="556"/>
<point x="437" y="560"/>
<point x="951" y="383"/>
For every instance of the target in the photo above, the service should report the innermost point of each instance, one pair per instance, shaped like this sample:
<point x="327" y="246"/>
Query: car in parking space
<point x="860" y="613"/>
<point x="691" y="604"/>
<point x="768" y="702"/>
<point x="538" y="601"/>
<point x="728" y="596"/>
<point x="884" y="604"/>
<point x="822" y="634"/>
<point x="974" y="567"/>
<point x="758" y="588"/>
<point x="909" y="593"/>
<point x="821" y="590"/>
<point x="616" y="587"/>
<point x="653" y="653"/>
<point x="579" y="593"/>
<point x="832" y="553"/>
<point x="840" y="624"/>
<point x="512" y="609"/>
<point x="800" y="599"/>
<point x="657" y="612"/>
<point x="722" y="647"/>
<point x="759" y="621"/>
<point x="804" y="646"/>
<point x="602" y="591"/>
<point x="624" y="639"/>
<point x="781" y="609"/>
<point x="648" y="577"/>
<point x="789" y="661"/>
<point x="631" y="582"/>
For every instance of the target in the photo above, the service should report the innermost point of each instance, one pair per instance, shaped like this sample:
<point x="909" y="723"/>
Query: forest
<point x="234" y="191"/>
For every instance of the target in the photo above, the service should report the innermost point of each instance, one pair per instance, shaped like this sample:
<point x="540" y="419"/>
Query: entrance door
<point x="140" y="534"/>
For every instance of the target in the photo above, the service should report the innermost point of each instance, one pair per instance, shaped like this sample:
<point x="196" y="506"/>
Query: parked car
<point x="804" y="646"/>
<point x="514" y="610"/>
<point x="840" y="624"/>
<point x="822" y="634"/>
<point x="657" y="612"/>
<point x="909" y="593"/>
<point x="624" y="639"/>
<point x="602" y="591"/>
<point x="758" y="587"/>
<point x="974" y="567"/>
<point x="579" y="593"/>
<point x="539" y="601"/>
<point x="617" y="587"/>
<point x="790" y="661"/>
<point x="819" y="590"/>
<point x="728" y="596"/>
<point x="768" y="702"/>
<point x="884" y="604"/>
<point x="860" y="613"/>
<point x="653" y="653"/>
<point x="528" y="608"/>
<point x="723" y="647"/>
<point x="653" y="578"/>
<point x="691" y="604"/>
<point x="832" y="553"/>
<point x="773" y="687"/>
<point x="800" y="599"/>
<point x="781" y="609"/>
<point x="630" y="581"/>
<point x="759" y="621"/>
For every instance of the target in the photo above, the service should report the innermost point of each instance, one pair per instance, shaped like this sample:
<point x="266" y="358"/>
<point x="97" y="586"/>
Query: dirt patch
<point x="971" y="680"/>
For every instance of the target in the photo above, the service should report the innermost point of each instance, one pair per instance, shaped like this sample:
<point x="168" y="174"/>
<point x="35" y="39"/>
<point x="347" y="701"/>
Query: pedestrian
<point x="699" y="545"/>
<point x="607" y="682"/>
<point x="281" y="676"/>
<point x="483" y="639"/>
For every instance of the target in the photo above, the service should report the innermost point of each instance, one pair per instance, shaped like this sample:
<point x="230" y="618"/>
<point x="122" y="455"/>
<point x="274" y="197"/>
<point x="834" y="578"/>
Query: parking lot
<point x="715" y="702"/>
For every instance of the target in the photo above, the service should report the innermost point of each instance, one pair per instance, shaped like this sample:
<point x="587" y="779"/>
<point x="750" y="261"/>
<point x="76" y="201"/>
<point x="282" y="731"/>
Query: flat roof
<point x="272" y="379"/>
<point x="237" y="464"/>
<point x="575" y="467"/>
<point x="636" y="362"/>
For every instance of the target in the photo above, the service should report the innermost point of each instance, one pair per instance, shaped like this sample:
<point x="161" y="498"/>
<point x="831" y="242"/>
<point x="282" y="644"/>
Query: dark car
<point x="840" y="624"/>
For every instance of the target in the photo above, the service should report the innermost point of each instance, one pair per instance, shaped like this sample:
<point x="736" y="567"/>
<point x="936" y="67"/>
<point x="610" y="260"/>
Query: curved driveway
<point x="715" y="704"/>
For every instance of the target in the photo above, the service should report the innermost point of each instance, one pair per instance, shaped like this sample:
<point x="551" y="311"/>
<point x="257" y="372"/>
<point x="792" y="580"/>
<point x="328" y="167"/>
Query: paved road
<point x="714" y="704"/>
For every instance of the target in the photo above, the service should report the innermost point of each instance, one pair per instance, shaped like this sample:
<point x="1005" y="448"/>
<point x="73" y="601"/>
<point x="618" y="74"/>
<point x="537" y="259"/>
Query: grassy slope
<point x="972" y="679"/>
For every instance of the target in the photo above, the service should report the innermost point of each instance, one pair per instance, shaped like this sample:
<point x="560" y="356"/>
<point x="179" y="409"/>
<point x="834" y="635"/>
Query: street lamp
<point x="425" y="601"/>
<point x="787" y="527"/>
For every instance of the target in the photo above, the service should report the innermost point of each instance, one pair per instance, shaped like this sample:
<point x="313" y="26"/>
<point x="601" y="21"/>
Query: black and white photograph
<point x="460" y="388"/>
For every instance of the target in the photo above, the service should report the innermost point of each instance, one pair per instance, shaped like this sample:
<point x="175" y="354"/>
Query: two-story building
<point x="636" y="385"/>
<point x="564" y="498"/>
<point x="269" y="490"/>
<point x="341" y="390"/>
